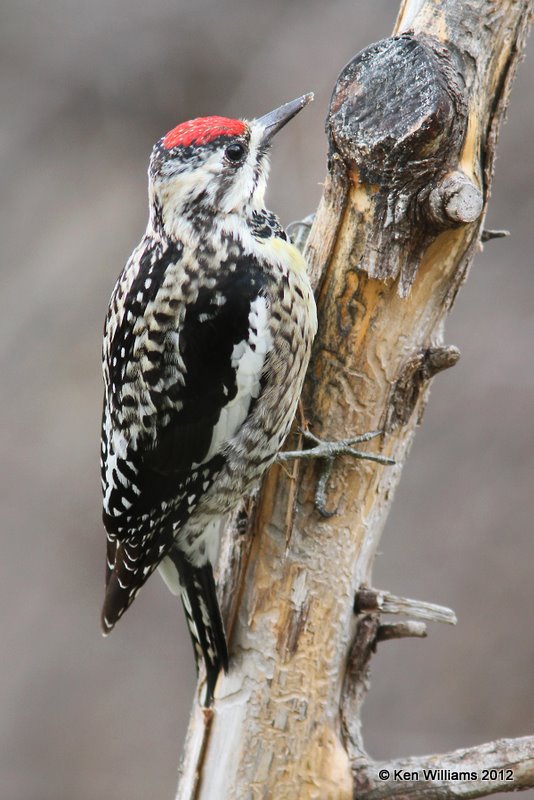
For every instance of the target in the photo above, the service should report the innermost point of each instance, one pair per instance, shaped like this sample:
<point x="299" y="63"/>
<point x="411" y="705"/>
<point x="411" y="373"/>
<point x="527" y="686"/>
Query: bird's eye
<point x="235" y="152"/>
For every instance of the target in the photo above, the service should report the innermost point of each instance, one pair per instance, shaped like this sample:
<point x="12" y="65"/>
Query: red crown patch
<point x="202" y="130"/>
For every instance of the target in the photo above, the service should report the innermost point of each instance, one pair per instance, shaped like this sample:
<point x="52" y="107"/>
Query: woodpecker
<point x="206" y="343"/>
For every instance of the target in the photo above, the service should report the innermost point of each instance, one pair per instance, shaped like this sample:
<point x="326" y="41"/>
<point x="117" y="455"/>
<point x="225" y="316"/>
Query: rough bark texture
<point x="412" y="130"/>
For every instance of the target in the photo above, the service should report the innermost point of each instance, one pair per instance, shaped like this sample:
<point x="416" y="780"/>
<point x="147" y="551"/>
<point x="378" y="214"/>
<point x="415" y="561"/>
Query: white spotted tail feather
<point x="206" y="344"/>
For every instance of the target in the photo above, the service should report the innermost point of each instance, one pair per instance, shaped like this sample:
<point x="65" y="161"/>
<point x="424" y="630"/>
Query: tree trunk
<point x="412" y="132"/>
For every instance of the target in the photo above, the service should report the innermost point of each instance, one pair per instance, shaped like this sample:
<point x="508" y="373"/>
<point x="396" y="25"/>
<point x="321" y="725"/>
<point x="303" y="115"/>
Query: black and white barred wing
<point x="180" y="383"/>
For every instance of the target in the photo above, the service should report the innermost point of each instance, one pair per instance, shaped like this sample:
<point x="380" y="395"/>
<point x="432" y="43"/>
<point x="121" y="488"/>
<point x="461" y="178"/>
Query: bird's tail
<point x="128" y="569"/>
<point x="203" y="615"/>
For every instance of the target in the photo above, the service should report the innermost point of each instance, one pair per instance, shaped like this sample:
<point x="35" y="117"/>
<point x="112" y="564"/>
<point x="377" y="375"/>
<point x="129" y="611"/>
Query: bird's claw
<point x="328" y="451"/>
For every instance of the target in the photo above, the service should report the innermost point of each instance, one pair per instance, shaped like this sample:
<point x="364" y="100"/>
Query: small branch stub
<point x="456" y="200"/>
<point x="414" y="376"/>
<point x="488" y="235"/>
<point x="401" y="630"/>
<point x="374" y="600"/>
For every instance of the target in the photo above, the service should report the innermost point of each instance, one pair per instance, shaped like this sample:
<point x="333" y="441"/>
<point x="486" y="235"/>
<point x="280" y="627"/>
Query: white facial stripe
<point x="246" y="185"/>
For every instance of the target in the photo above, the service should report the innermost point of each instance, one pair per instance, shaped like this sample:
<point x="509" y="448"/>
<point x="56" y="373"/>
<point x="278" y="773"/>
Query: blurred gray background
<point x="86" y="89"/>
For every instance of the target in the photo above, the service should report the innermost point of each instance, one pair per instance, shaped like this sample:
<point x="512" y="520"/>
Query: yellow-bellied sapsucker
<point x="206" y="343"/>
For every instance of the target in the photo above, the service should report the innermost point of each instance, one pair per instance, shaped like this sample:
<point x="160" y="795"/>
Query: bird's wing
<point x="182" y="379"/>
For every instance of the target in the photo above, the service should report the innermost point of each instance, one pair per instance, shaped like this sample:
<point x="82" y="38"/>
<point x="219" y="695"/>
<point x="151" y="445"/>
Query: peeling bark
<point x="412" y="130"/>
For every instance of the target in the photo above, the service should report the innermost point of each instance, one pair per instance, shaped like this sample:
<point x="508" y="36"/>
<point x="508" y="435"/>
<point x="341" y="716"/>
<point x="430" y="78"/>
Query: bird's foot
<point x="299" y="230"/>
<point x="328" y="451"/>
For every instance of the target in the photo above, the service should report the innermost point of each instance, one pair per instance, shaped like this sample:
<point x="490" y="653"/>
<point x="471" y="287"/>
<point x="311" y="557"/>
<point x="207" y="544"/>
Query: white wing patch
<point x="248" y="359"/>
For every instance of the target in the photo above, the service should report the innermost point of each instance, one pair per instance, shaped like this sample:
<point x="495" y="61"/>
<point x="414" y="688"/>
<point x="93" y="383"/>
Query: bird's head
<point x="214" y="165"/>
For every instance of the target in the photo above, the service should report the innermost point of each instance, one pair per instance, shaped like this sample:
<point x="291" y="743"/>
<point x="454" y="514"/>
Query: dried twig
<point x="503" y="766"/>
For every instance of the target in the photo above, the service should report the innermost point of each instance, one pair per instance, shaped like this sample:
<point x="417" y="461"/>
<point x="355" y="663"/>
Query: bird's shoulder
<point x="273" y="244"/>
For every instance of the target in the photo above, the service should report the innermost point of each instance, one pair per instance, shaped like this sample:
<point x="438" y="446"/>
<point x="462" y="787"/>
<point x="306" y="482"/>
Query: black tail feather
<point x="199" y="599"/>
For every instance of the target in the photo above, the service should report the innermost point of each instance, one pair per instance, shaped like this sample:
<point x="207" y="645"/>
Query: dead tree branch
<point x="501" y="766"/>
<point x="412" y="131"/>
